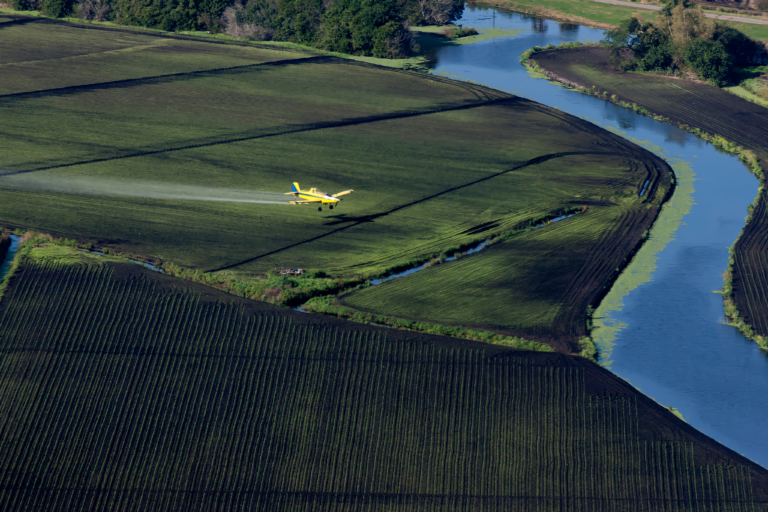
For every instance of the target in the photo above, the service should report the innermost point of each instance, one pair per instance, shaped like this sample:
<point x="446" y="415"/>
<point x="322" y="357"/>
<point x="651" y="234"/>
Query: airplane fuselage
<point x="316" y="196"/>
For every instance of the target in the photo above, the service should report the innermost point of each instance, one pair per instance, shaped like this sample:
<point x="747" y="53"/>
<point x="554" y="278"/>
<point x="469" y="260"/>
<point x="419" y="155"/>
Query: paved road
<point x="740" y="19"/>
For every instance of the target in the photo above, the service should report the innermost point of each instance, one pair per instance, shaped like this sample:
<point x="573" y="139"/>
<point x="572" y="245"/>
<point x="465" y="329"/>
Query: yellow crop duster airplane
<point x="315" y="196"/>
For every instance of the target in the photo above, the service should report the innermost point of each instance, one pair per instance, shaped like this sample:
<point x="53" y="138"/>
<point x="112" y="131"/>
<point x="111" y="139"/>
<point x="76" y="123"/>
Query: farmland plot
<point x="105" y="132"/>
<point x="540" y="274"/>
<point x="125" y="390"/>
<point x="712" y="110"/>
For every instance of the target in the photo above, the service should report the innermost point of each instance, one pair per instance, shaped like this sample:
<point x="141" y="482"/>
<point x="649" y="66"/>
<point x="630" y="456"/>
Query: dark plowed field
<point x="122" y="389"/>
<point x="698" y="105"/>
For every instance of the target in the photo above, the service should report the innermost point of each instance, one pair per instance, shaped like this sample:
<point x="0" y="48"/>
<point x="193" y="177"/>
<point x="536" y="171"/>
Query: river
<point x="660" y="327"/>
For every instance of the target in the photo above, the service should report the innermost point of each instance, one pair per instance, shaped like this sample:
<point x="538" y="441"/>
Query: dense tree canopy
<point x="363" y="27"/>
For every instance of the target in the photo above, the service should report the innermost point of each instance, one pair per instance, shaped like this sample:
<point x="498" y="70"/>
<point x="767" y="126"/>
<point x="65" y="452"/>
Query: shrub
<point x="709" y="59"/>
<point x="25" y="5"/>
<point x="98" y="10"/>
<point x="56" y="8"/>
<point x="456" y="32"/>
<point x="658" y="57"/>
<point x="440" y="12"/>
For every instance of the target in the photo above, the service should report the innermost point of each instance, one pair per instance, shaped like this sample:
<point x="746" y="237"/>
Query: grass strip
<point x="329" y="306"/>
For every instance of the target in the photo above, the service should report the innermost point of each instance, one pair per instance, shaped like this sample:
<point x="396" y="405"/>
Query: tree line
<point x="681" y="39"/>
<point x="361" y="27"/>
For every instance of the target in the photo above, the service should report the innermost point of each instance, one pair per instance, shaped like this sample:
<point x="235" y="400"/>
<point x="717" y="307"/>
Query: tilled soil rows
<point x="123" y="389"/>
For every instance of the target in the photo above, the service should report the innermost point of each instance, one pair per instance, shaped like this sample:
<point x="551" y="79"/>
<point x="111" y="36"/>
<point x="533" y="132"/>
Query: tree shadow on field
<point x="9" y="21"/>
<point x="343" y="218"/>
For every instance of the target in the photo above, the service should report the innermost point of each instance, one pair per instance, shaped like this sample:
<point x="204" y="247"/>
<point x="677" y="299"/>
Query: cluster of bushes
<point x="456" y="32"/>
<point x="361" y="27"/>
<point x="682" y="39"/>
<point x="757" y="86"/>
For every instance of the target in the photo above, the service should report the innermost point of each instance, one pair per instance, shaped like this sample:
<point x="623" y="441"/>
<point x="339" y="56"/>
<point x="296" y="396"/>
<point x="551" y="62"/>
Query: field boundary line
<point x="369" y="218"/>
<point x="299" y="129"/>
<point x="129" y="82"/>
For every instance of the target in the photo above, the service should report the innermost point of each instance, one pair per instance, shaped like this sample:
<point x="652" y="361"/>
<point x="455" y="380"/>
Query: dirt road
<point x="740" y="19"/>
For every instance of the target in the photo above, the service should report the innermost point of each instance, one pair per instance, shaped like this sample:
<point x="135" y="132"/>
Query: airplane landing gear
<point x="330" y="207"/>
<point x="319" y="209"/>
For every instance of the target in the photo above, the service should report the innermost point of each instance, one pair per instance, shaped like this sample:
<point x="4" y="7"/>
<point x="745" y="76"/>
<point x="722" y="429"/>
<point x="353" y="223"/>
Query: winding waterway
<point x="660" y="326"/>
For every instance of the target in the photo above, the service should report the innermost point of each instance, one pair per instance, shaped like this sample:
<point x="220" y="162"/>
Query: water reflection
<point x="681" y="138"/>
<point x="625" y="118"/>
<point x="569" y="27"/>
<point x="539" y="24"/>
<point x="667" y="340"/>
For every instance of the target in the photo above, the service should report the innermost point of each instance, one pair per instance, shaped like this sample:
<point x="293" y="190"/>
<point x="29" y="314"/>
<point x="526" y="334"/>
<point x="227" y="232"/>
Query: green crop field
<point x="123" y="389"/>
<point x="481" y="289"/>
<point x="179" y="150"/>
<point x="712" y="111"/>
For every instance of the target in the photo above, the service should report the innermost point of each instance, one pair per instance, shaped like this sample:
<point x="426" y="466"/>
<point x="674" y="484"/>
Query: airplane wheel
<point x="330" y="207"/>
<point x="319" y="209"/>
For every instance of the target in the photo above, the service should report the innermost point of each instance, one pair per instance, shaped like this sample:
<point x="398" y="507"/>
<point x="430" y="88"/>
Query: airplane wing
<point x="342" y="193"/>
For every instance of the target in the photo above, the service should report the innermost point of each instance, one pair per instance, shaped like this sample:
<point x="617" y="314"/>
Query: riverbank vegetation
<point x="125" y="389"/>
<point x="158" y="126"/>
<point x="725" y="120"/>
<point x="681" y="39"/>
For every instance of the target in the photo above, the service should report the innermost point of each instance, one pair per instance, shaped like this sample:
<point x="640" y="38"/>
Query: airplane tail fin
<point x="296" y="187"/>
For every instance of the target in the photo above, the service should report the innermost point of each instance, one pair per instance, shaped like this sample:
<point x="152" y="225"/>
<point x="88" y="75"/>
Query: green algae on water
<point x="640" y="270"/>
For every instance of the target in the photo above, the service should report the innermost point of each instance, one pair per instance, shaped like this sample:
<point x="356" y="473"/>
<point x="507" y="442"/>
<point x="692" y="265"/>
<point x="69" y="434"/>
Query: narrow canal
<point x="661" y="326"/>
<point x="5" y="266"/>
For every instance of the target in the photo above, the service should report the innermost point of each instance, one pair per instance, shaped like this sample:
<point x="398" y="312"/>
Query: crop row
<point x="118" y="395"/>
